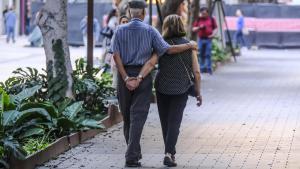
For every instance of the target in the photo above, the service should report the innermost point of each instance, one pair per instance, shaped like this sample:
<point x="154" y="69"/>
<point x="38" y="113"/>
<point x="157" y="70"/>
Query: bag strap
<point x="186" y="70"/>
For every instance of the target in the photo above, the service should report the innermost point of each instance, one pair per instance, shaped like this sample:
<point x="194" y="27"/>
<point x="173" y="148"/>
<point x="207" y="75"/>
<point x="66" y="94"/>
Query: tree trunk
<point x="194" y="8"/>
<point x="52" y="21"/>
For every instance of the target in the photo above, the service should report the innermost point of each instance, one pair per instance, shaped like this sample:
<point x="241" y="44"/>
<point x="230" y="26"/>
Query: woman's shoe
<point x="133" y="164"/>
<point x="169" y="160"/>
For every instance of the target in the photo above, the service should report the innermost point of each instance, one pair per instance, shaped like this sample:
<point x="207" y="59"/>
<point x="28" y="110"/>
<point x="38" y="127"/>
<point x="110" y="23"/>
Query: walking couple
<point x="137" y="47"/>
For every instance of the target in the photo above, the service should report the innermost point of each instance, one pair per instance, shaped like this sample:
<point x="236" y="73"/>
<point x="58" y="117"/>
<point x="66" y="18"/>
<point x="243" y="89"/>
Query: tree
<point x="52" y="20"/>
<point x="194" y="8"/>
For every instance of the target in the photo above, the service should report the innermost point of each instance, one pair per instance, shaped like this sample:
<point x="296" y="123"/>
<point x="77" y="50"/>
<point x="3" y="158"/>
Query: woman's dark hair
<point x="122" y="17"/>
<point x="173" y="27"/>
<point x="111" y="14"/>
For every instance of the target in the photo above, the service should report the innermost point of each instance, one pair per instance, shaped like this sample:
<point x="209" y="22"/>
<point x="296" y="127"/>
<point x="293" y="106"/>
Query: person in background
<point x="83" y="28"/>
<point x="240" y="25"/>
<point x="5" y="10"/>
<point x="206" y="27"/>
<point x="123" y="7"/>
<point x="10" y="20"/>
<point x="172" y="84"/>
<point x="4" y="20"/>
<point x="111" y="25"/>
<point x="35" y="37"/>
<point x="122" y="20"/>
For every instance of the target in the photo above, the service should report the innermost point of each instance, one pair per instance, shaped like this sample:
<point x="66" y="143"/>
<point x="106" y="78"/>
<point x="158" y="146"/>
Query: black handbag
<point x="191" y="91"/>
<point x="107" y="32"/>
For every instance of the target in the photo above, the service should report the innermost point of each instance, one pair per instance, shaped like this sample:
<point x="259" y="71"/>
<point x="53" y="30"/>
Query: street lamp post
<point x="150" y="12"/>
<point x="90" y="36"/>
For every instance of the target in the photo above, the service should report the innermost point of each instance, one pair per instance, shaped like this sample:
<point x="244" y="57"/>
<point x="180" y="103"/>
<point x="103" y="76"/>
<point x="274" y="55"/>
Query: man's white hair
<point x="136" y="12"/>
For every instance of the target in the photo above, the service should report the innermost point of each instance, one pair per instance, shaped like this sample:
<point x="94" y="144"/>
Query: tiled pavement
<point x="249" y="119"/>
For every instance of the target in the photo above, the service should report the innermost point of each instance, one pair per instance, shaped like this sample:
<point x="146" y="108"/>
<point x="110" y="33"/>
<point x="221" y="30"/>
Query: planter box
<point x="114" y="117"/>
<point x="65" y="143"/>
<point x="59" y="146"/>
<point x="85" y="135"/>
<point x="74" y="139"/>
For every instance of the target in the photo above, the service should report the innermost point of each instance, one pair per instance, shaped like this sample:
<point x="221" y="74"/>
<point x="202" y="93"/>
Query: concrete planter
<point x="86" y="135"/>
<point x="74" y="139"/>
<point x="59" y="146"/>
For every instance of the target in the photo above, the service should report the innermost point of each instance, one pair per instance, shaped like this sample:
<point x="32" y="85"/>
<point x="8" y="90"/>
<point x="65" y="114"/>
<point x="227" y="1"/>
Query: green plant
<point x="92" y="91"/>
<point x="26" y="78"/>
<point x="29" y="121"/>
<point x="23" y="119"/>
<point x="33" y="145"/>
<point x="218" y="54"/>
<point x="19" y="123"/>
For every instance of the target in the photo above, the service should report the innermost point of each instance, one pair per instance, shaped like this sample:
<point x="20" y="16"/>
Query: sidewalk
<point x="249" y="119"/>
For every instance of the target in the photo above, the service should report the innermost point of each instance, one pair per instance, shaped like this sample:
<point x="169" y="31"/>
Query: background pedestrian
<point x="206" y="27"/>
<point x="10" y="20"/>
<point x="240" y="25"/>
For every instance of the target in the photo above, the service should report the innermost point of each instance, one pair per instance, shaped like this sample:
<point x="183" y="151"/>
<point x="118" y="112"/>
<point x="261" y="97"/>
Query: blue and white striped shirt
<point x="136" y="41"/>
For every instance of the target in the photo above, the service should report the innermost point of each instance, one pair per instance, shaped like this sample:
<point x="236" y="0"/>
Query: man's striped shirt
<point x="136" y="41"/>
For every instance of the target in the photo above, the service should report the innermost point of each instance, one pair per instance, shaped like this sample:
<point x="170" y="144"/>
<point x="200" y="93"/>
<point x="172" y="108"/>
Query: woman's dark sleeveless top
<point x="172" y="77"/>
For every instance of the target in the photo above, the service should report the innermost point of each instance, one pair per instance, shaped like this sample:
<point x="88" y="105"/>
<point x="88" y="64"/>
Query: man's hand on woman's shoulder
<point x="194" y="45"/>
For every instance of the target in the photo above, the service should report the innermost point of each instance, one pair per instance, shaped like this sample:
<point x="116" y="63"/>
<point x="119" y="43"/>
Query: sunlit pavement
<point x="13" y="56"/>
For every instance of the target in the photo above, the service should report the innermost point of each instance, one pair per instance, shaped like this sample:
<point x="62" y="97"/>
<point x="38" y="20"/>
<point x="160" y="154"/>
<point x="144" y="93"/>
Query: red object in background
<point x="267" y="24"/>
<point x="207" y="25"/>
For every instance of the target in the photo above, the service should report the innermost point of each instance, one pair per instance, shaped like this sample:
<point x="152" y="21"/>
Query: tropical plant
<point x="92" y="91"/>
<point x="23" y="119"/>
<point x="26" y="78"/>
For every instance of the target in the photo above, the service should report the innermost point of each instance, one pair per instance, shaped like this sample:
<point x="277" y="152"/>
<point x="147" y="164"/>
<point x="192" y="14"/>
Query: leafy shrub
<point x="26" y="78"/>
<point x="218" y="54"/>
<point x="23" y="119"/>
<point x="92" y="90"/>
<point x="30" y="121"/>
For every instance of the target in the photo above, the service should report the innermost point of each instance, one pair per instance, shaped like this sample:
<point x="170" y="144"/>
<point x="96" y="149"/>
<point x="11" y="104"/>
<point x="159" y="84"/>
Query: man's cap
<point x="140" y="4"/>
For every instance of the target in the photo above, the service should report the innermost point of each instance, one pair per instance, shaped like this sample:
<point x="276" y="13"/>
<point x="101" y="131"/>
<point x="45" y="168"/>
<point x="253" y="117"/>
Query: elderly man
<point x="133" y="45"/>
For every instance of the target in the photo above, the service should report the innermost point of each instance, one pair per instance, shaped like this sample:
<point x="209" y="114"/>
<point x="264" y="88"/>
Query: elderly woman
<point x="178" y="75"/>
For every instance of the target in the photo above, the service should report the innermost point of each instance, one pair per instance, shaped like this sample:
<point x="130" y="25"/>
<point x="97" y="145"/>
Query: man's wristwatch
<point x="126" y="79"/>
<point x="140" y="77"/>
